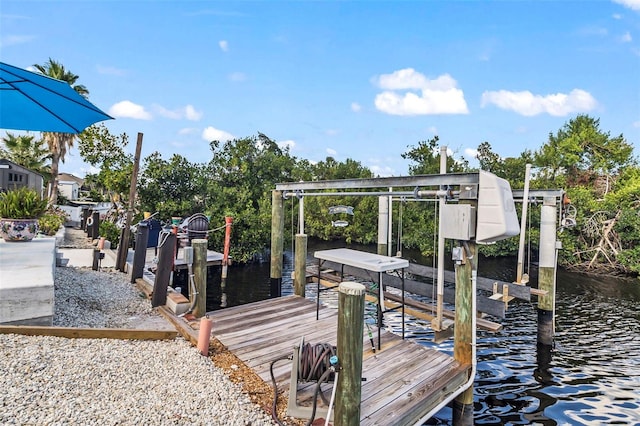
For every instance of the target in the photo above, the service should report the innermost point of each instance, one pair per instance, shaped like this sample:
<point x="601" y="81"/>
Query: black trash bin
<point x="154" y="232"/>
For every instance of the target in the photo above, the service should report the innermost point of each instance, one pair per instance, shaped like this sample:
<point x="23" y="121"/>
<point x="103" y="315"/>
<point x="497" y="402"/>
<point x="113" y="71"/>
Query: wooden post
<point x="350" y="333"/>
<point x="547" y="271"/>
<point x="523" y="224"/>
<point x="463" y="331"/>
<point x="132" y="199"/>
<point x="300" y="265"/>
<point x="96" y="259"/>
<point x="120" y="258"/>
<point x="227" y="245"/>
<point x="383" y="224"/>
<point x="199" y="277"/>
<point x="277" y="238"/>
<point x="95" y="226"/>
<point x="140" y="253"/>
<point x="163" y="271"/>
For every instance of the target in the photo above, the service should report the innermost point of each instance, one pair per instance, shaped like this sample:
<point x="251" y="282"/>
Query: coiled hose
<point x="314" y="365"/>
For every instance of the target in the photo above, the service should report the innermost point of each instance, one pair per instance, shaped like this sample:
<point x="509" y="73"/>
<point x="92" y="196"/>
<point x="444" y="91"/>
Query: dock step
<point x="177" y="303"/>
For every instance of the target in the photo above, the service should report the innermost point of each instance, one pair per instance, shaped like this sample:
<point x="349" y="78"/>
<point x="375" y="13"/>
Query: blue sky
<point x="361" y="79"/>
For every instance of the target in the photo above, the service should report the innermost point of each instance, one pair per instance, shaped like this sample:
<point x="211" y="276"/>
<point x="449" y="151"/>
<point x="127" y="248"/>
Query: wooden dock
<point x="402" y="382"/>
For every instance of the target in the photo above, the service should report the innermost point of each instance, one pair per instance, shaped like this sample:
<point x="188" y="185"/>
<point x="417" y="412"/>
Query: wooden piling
<point x="350" y="328"/>
<point x="140" y="253"/>
<point x="383" y="225"/>
<point x="300" y="265"/>
<point x="228" y="220"/>
<point x="463" y="331"/>
<point x="96" y="259"/>
<point x="199" y="277"/>
<point x="121" y="257"/>
<point x="95" y="226"/>
<point x="547" y="271"/>
<point x="164" y="269"/>
<point x="277" y="239"/>
<point x="132" y="196"/>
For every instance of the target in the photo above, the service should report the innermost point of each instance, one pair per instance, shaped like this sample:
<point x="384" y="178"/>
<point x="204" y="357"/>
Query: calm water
<point x="591" y="376"/>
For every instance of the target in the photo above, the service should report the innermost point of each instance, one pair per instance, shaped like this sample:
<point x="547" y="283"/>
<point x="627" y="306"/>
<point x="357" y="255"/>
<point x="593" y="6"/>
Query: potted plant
<point x="19" y="212"/>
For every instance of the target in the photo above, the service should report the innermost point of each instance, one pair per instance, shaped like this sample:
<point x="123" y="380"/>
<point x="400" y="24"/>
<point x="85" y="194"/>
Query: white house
<point x="69" y="186"/>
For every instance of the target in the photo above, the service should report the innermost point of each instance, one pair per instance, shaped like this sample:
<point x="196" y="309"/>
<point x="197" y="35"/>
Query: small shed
<point x="69" y="186"/>
<point x="13" y="175"/>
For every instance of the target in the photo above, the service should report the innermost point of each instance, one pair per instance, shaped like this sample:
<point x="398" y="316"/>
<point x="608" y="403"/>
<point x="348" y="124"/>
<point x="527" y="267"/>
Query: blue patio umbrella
<point x="32" y="101"/>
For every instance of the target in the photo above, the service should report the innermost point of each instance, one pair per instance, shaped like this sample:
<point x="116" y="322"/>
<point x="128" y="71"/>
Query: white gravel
<point x="58" y="381"/>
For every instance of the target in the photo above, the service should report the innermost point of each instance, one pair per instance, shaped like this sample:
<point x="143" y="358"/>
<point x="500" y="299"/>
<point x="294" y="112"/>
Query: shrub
<point x="21" y="203"/>
<point x="51" y="221"/>
<point x="110" y="231"/>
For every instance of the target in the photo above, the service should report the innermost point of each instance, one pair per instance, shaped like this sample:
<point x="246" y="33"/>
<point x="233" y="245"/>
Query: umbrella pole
<point x="132" y="196"/>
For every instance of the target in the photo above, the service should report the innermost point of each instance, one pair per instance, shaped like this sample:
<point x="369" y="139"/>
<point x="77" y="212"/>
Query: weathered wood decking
<point x="402" y="382"/>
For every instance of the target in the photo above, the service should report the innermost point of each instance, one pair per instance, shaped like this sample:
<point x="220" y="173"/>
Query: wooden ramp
<point x="402" y="382"/>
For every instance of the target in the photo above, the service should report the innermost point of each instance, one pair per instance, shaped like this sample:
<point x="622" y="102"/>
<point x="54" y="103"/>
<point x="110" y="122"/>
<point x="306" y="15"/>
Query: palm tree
<point x="59" y="143"/>
<point x="28" y="152"/>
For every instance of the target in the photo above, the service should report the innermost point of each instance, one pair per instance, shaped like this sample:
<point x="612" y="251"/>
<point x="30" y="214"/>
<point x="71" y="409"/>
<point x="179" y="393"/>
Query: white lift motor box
<point x="497" y="218"/>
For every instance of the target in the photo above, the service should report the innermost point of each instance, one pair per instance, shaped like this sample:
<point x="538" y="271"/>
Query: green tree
<point x="174" y="187"/>
<point x="241" y="176"/>
<point x="512" y="169"/>
<point x="59" y="143"/>
<point x="28" y="152"/>
<point x="580" y="152"/>
<point x="319" y="223"/>
<point x="106" y="152"/>
<point x="426" y="156"/>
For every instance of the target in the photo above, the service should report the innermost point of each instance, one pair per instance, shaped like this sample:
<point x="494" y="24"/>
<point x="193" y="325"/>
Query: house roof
<point x="68" y="177"/>
<point x="17" y="166"/>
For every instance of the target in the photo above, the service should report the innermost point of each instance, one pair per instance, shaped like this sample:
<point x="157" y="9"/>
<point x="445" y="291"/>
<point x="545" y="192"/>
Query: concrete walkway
<point x="83" y="258"/>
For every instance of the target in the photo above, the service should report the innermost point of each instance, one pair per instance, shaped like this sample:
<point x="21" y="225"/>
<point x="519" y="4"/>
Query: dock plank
<point x="404" y="380"/>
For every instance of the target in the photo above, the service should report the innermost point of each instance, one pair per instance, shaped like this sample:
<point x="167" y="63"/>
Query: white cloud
<point x="127" y="109"/>
<point x="527" y="104"/>
<point x="212" y="134"/>
<point x="237" y="76"/>
<point x="631" y="4"/>
<point x="12" y="40"/>
<point x="332" y="152"/>
<point x="331" y="132"/>
<point x="617" y="16"/>
<point x="438" y="96"/>
<point x="626" y="37"/>
<point x="191" y="114"/>
<point x="187" y="131"/>
<point x="636" y="123"/>
<point x="471" y="152"/>
<point x="287" y="144"/>
<point x="187" y="112"/>
<point x="355" y="107"/>
<point x="224" y="45"/>
<point x="107" y="70"/>
<point x="433" y="130"/>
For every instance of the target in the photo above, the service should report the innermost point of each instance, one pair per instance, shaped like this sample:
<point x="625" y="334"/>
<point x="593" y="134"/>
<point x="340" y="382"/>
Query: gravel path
<point x="58" y="381"/>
